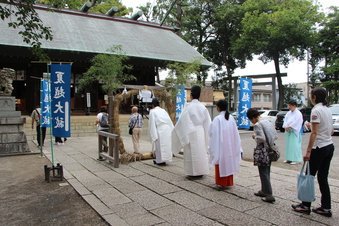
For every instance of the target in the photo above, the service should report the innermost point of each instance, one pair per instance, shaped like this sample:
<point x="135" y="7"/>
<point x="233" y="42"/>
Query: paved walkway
<point x="142" y="193"/>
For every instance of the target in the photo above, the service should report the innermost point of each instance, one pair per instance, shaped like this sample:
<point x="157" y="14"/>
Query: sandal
<point x="301" y="208"/>
<point x="321" y="211"/>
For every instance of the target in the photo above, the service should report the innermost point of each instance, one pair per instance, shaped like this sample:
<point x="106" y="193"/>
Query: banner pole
<point x="40" y="118"/>
<point x="50" y="113"/>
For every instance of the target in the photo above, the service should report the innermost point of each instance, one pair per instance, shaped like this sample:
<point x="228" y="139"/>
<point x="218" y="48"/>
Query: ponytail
<point x="222" y="104"/>
<point x="227" y="115"/>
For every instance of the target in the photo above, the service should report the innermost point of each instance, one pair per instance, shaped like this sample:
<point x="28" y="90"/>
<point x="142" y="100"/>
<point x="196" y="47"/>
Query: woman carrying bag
<point x="264" y="136"/>
<point x="319" y="152"/>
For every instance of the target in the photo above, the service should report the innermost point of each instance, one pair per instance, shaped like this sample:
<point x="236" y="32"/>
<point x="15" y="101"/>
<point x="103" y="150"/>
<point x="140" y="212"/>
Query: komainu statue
<point x="6" y="79"/>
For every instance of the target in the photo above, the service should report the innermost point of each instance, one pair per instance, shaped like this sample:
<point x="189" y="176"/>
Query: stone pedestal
<point x="12" y="135"/>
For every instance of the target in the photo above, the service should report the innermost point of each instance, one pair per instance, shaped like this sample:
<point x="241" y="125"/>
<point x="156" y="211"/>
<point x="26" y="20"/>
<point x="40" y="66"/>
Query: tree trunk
<point x="229" y="76"/>
<point x="179" y="15"/>
<point x="280" y="85"/>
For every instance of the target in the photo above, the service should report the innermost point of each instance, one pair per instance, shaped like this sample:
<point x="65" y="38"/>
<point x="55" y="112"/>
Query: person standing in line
<point x="36" y="118"/>
<point x="224" y="146"/>
<point x="160" y="128"/>
<point x="293" y="129"/>
<point x="103" y="116"/>
<point x="58" y="141"/>
<point x="191" y="134"/>
<point x="319" y="152"/>
<point x="136" y="121"/>
<point x="260" y="128"/>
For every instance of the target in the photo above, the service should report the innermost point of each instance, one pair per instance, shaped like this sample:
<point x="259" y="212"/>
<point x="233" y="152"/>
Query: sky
<point x="296" y="71"/>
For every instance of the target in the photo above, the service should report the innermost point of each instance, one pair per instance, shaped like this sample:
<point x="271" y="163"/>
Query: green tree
<point x="226" y="30"/>
<point x="111" y="69"/>
<point x="197" y="26"/>
<point x="328" y="51"/>
<point x="277" y="31"/>
<point x="292" y="92"/>
<point x="210" y="26"/>
<point x="182" y="73"/>
<point x="22" y="15"/>
<point x="147" y="11"/>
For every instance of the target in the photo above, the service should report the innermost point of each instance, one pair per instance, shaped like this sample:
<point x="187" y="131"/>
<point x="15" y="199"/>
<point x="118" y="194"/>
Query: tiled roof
<point x="78" y="31"/>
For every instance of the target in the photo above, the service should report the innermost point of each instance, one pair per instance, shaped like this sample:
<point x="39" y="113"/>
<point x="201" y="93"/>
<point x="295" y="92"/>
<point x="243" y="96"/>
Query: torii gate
<point x="273" y="83"/>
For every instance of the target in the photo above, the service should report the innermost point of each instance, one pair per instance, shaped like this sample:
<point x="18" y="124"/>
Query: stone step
<point x="81" y="126"/>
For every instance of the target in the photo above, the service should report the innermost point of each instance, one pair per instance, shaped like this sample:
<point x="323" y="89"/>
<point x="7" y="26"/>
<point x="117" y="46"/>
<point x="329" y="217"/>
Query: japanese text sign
<point x="180" y="100"/>
<point x="245" y="101"/>
<point x="45" y="101"/>
<point x="60" y="93"/>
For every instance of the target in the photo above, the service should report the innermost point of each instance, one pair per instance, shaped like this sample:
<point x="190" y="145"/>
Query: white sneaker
<point x="293" y="163"/>
<point x="61" y="144"/>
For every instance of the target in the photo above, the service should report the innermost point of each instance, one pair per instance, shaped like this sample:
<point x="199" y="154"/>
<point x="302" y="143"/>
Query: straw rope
<point x="126" y="157"/>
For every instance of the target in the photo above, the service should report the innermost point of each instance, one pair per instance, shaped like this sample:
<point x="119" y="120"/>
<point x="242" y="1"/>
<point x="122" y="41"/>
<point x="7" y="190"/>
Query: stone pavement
<point x="142" y="193"/>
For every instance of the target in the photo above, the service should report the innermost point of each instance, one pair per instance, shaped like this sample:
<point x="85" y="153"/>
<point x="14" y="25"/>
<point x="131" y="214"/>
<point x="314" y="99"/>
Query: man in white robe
<point x="160" y="128"/>
<point x="225" y="144"/>
<point x="292" y="124"/>
<point x="191" y="134"/>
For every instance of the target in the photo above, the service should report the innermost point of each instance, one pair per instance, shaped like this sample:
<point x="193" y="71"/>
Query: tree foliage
<point x="110" y="68"/>
<point x="227" y="26"/>
<point x="292" y="92"/>
<point x="22" y="16"/>
<point x="208" y="25"/>
<point x="182" y="73"/>
<point x="326" y="49"/>
<point x="329" y="43"/>
<point x="277" y="31"/>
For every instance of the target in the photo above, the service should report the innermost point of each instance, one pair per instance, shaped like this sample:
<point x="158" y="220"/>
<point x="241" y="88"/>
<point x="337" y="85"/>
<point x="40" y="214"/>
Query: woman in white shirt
<point x="319" y="152"/>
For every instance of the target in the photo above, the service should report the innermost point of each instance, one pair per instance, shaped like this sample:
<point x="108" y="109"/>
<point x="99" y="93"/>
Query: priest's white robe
<point x="191" y="134"/>
<point x="293" y="151"/>
<point x="225" y="145"/>
<point x="160" y="128"/>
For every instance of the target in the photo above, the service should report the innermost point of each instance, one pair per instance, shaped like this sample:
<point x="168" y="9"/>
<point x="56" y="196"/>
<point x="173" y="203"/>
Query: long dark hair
<point x="222" y="104"/>
<point x="320" y="95"/>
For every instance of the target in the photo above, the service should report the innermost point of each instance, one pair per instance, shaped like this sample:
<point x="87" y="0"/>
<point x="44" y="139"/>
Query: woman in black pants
<point x="319" y="152"/>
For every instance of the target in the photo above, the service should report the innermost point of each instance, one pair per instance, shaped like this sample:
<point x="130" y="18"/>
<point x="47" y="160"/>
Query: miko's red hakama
<point x="222" y="181"/>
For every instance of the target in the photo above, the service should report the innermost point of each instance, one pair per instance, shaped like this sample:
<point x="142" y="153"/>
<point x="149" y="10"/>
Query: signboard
<point x="88" y="99"/>
<point x="60" y="105"/>
<point x="180" y="100"/>
<point x="45" y="104"/>
<point x="245" y="102"/>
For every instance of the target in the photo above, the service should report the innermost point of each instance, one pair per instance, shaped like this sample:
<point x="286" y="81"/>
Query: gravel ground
<point x="27" y="199"/>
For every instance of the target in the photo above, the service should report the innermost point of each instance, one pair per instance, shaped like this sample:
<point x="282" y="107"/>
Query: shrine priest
<point x="160" y="128"/>
<point x="191" y="134"/>
<point x="225" y="146"/>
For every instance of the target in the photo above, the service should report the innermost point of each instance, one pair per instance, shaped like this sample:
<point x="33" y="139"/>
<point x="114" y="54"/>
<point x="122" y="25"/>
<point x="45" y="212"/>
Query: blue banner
<point x="60" y="93"/>
<point x="45" y="104"/>
<point x="245" y="101"/>
<point x="180" y="100"/>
